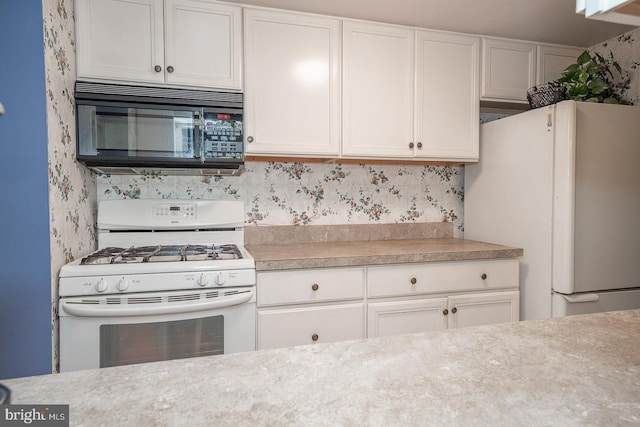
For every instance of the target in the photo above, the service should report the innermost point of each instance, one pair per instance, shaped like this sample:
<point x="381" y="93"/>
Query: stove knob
<point x="203" y="280"/>
<point x="123" y="284"/>
<point x="102" y="285"/>
<point x="220" y="279"/>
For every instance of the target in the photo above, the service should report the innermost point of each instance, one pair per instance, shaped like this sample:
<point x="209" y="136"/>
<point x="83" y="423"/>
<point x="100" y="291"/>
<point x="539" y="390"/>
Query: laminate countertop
<point x="580" y="370"/>
<point x="373" y="252"/>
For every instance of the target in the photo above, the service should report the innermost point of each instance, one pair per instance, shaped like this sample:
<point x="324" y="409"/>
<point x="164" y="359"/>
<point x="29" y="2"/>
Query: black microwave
<point x="136" y="129"/>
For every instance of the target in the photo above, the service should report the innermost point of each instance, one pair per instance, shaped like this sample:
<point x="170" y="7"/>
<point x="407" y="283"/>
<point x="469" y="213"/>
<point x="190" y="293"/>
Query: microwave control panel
<point x="223" y="137"/>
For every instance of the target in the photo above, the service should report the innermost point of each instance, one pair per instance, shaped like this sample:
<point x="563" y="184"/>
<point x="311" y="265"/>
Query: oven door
<point x="112" y="330"/>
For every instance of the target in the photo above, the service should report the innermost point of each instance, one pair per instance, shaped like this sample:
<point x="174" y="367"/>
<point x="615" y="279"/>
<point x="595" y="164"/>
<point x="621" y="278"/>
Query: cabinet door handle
<point x="249" y="139"/>
<point x="170" y="69"/>
<point x="314" y="287"/>
<point x="314" y="337"/>
<point x="157" y="68"/>
<point x="484" y="276"/>
<point x="454" y="310"/>
<point x="413" y="280"/>
<point x="411" y="145"/>
<point x="445" y="311"/>
<point x="419" y="144"/>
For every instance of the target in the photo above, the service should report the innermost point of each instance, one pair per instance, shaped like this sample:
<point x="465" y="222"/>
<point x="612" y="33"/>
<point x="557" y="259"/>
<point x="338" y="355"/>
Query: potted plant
<point x="591" y="79"/>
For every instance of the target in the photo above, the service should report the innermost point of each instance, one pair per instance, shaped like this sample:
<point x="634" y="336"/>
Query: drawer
<point x="309" y="286"/>
<point x="299" y="326"/>
<point x="426" y="278"/>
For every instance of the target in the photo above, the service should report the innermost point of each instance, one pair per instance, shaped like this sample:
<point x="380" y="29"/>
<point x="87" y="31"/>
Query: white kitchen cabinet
<point x="409" y="298"/>
<point x="553" y="59"/>
<point x="378" y="90"/>
<point x="483" y="309"/>
<point x="447" y="96"/>
<point x="409" y="94"/>
<point x="406" y="317"/>
<point x="292" y="89"/>
<point x="311" y="305"/>
<point x="173" y="42"/>
<point x="508" y="69"/>
<point x="436" y="314"/>
<point x="308" y="325"/>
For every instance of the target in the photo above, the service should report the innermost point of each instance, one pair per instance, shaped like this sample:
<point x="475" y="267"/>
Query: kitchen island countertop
<point x="579" y="370"/>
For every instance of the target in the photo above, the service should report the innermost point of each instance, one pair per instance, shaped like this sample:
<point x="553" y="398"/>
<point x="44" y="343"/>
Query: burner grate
<point x="162" y="253"/>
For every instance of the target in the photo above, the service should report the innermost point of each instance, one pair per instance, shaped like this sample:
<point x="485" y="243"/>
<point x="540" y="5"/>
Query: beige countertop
<point x="579" y="370"/>
<point x="280" y="256"/>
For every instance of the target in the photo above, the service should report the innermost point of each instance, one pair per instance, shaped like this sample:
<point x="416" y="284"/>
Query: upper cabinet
<point x="447" y="95"/>
<point x="378" y="90"/>
<point x="553" y="59"/>
<point x="508" y="69"/>
<point x="511" y="67"/>
<point x="292" y="88"/>
<point x="174" y="42"/>
<point x="409" y="94"/>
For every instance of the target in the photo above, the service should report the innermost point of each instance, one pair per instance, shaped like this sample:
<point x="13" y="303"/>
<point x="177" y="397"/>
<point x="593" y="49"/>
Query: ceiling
<point x="547" y="21"/>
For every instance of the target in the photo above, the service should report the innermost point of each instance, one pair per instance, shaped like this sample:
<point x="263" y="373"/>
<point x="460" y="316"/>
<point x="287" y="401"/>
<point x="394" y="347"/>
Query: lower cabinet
<point x="436" y="314"/>
<point x="306" y="306"/>
<point x="308" y="325"/>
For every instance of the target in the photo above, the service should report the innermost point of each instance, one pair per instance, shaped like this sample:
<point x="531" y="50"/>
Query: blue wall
<point x="25" y="277"/>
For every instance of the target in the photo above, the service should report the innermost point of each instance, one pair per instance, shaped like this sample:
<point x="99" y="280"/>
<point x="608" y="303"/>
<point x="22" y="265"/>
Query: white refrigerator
<point x="563" y="183"/>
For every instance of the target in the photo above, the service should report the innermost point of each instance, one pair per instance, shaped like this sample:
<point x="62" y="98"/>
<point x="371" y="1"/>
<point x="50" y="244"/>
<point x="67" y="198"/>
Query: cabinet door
<point x="378" y="90"/>
<point x="292" y="103"/>
<point x="508" y="69"/>
<point x="120" y="40"/>
<point x="552" y="60"/>
<point x="406" y="317"/>
<point x="298" y="326"/>
<point x="203" y="44"/>
<point x="447" y="96"/>
<point x="483" y="309"/>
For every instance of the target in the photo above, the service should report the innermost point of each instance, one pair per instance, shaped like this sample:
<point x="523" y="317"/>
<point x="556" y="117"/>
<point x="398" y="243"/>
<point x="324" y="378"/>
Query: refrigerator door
<point x="607" y="198"/>
<point x="595" y="302"/>
<point x="509" y="199"/>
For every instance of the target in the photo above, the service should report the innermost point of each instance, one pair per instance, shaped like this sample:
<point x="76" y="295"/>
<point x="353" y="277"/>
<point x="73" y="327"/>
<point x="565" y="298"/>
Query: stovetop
<point x="162" y="253"/>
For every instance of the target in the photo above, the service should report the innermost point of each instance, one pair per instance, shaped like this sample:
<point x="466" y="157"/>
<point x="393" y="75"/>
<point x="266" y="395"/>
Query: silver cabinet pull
<point x="157" y="68"/>
<point x="170" y="69"/>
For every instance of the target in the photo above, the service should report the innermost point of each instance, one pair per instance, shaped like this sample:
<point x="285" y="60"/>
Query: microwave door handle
<point x="197" y="150"/>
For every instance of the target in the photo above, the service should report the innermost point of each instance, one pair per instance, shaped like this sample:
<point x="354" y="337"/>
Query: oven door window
<point x="127" y="344"/>
<point x="108" y="130"/>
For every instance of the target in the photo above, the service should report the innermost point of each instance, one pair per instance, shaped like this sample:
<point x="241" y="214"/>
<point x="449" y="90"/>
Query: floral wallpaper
<point x="284" y="193"/>
<point x="626" y="50"/>
<point x="72" y="188"/>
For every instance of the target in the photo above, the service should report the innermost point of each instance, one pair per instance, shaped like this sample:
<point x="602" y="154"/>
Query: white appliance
<point x="171" y="279"/>
<point x="563" y="183"/>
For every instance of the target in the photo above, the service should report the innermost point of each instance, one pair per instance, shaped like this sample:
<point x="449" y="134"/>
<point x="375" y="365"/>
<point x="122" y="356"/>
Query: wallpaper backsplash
<point x="285" y="193"/>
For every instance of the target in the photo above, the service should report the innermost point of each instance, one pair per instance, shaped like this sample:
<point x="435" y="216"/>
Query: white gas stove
<point x="170" y="279"/>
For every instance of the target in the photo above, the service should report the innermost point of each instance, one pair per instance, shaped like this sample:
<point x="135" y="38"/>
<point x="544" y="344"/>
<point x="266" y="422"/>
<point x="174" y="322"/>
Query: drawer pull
<point x="314" y="337"/>
<point x="445" y="311"/>
<point x="484" y="276"/>
<point x="454" y="310"/>
<point x="414" y="280"/>
<point x="314" y="287"/>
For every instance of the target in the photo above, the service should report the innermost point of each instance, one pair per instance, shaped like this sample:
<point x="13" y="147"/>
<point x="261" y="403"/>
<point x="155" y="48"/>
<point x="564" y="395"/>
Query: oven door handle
<point x="151" y="309"/>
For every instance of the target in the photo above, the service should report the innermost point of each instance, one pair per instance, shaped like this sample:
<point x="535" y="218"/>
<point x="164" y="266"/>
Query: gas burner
<point x="162" y="253"/>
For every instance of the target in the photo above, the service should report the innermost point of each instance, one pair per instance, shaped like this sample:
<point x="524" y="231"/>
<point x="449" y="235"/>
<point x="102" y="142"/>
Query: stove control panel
<point x="175" y="210"/>
<point x="136" y="283"/>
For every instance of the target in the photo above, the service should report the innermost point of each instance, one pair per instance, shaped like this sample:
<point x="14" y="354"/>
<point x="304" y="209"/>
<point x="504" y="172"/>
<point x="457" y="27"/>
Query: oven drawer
<point x="454" y="276"/>
<point x="309" y="286"/>
<point x="299" y="326"/>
